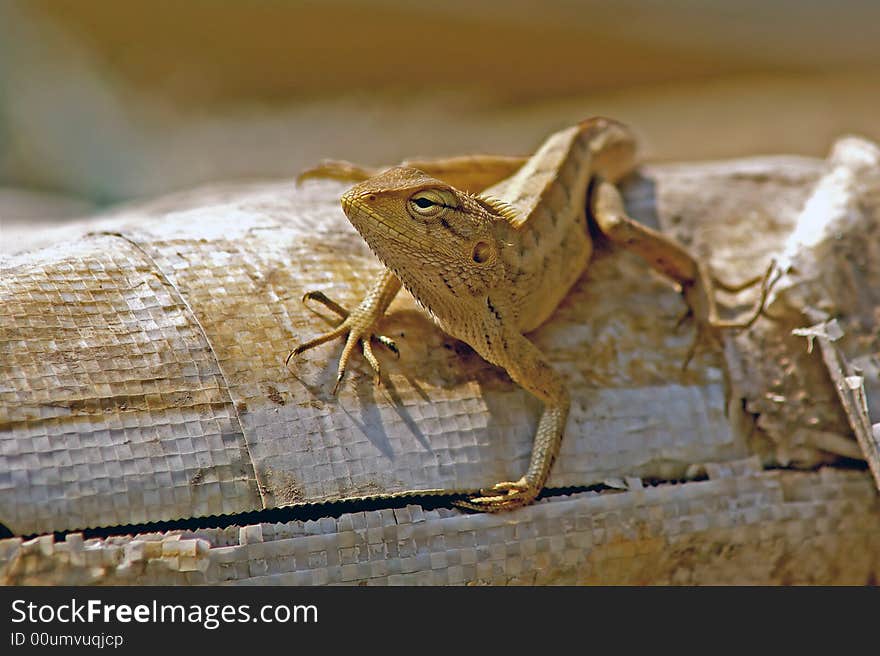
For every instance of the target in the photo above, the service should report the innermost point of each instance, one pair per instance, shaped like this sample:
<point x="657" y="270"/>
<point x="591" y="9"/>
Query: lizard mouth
<point x="366" y="220"/>
<point x="347" y="200"/>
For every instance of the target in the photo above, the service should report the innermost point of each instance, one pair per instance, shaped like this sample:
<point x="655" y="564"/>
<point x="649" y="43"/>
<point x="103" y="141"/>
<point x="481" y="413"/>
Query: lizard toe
<point x="326" y="301"/>
<point x="388" y="343"/>
<point x="512" y="495"/>
<point x="511" y="487"/>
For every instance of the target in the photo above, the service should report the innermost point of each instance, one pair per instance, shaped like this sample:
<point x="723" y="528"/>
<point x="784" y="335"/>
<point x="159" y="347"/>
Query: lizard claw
<point x="327" y="302"/>
<point x="507" y="495"/>
<point x="388" y="343"/>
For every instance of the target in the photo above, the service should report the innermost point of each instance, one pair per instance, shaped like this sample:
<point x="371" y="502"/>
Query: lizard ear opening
<point x="482" y="252"/>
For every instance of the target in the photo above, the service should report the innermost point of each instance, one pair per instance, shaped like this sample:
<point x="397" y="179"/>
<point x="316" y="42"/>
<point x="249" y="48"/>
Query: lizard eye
<point x="431" y="203"/>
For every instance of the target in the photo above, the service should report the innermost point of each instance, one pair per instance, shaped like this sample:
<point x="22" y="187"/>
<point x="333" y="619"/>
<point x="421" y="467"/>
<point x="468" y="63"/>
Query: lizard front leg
<point x="527" y="366"/>
<point x="357" y="324"/>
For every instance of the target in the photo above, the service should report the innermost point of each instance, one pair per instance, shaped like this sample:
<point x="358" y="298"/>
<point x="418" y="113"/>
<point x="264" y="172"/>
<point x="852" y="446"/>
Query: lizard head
<point x="441" y="242"/>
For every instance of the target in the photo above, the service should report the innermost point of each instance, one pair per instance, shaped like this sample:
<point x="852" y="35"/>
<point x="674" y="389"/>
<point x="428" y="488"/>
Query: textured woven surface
<point x="444" y="419"/>
<point x="114" y="410"/>
<point x="740" y="526"/>
<point x="147" y="376"/>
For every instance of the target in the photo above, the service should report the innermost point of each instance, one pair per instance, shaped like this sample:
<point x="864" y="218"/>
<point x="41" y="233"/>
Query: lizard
<point x="489" y="246"/>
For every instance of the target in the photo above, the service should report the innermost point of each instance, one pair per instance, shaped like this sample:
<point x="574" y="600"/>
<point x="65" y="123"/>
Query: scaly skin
<point x="493" y="266"/>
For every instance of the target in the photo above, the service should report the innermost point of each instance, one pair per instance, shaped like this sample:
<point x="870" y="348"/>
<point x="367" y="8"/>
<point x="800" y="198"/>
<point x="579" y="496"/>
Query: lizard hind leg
<point x="749" y="317"/>
<point x="670" y="258"/>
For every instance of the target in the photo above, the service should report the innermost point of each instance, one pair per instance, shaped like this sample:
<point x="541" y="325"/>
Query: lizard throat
<point x="368" y="222"/>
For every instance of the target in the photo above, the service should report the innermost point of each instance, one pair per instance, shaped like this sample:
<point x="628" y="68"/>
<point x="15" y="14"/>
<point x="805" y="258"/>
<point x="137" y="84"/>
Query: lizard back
<point x="547" y="247"/>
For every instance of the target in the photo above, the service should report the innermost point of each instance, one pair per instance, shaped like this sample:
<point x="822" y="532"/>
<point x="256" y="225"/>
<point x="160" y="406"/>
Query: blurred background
<point x="103" y="102"/>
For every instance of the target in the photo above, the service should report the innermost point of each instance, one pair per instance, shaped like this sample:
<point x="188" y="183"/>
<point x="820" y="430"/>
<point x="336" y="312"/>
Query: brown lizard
<point x="491" y="266"/>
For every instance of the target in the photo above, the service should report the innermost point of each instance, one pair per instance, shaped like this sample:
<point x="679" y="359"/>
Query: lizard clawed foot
<point x="747" y="321"/>
<point x="504" y="496"/>
<point x="710" y="323"/>
<point x="357" y="325"/>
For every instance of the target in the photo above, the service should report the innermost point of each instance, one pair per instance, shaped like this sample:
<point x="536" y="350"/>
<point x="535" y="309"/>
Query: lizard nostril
<point x="371" y="198"/>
